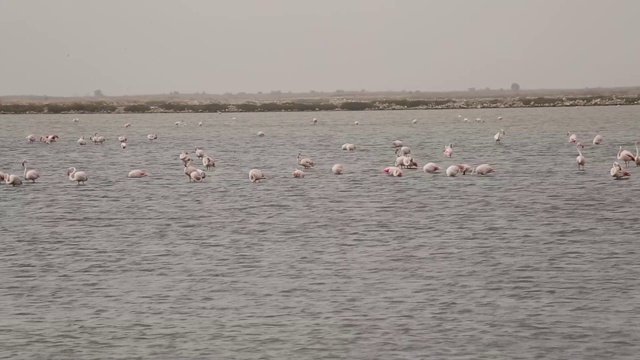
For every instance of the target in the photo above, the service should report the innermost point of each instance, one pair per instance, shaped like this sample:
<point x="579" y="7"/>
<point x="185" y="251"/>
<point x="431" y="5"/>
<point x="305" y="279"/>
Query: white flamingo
<point x="29" y="174"/>
<point x="77" y="176"/>
<point x="76" y="120"/>
<point x="135" y="174"/>
<point x="464" y="168"/>
<point x="189" y="168"/>
<point x="208" y="162"/>
<point x="199" y="152"/>
<point x="415" y="121"/>
<point x="453" y="170"/>
<point x="483" y="169"/>
<point x="256" y="175"/>
<point x="152" y="137"/>
<point x="195" y="176"/>
<point x="499" y="117"/>
<point x="298" y="173"/>
<point x="305" y="162"/>
<point x="31" y="138"/>
<point x="12" y="180"/>
<point x="626" y="156"/>
<point x="499" y="135"/>
<point x="337" y="169"/>
<point x="597" y="140"/>
<point x="356" y="123"/>
<point x="82" y="141"/>
<point x="397" y="144"/>
<point x="617" y="172"/>
<point x="572" y="137"/>
<point x="200" y="123"/>
<point x="448" y="150"/>
<point x="580" y="160"/>
<point x="637" y="154"/>
<point x="127" y="125"/>
<point x="122" y="138"/>
<point x="403" y="151"/>
<point x="314" y="121"/>
<point x="260" y="133"/>
<point x="393" y="171"/>
<point x="98" y="140"/>
<point x="431" y="168"/>
<point x="123" y="145"/>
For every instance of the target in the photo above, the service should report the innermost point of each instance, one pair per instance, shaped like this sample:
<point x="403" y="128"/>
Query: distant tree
<point x="515" y="87"/>
<point x="472" y="89"/>
<point x="98" y="93"/>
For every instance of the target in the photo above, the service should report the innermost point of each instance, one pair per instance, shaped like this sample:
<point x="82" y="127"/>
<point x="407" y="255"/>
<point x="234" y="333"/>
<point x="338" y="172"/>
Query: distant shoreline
<point x="118" y="107"/>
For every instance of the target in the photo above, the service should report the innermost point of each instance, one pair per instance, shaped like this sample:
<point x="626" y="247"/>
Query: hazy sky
<point x="72" y="47"/>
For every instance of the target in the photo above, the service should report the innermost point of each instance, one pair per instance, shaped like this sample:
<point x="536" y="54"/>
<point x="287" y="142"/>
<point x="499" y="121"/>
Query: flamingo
<point x="431" y="168"/>
<point x="256" y="175"/>
<point x="152" y="137"/>
<point x="597" y="140"/>
<point x="397" y="144"/>
<point x="122" y="138"/>
<point x="572" y="137"/>
<point x="200" y="123"/>
<point x="499" y="117"/>
<point x="52" y="138"/>
<point x="356" y="123"/>
<point x="349" y="147"/>
<point x="448" y="150"/>
<point x="12" y="180"/>
<point x="78" y="176"/>
<point x="453" y="170"/>
<point x="464" y="168"/>
<point x="184" y="155"/>
<point x="305" y="162"/>
<point x="75" y="120"/>
<point x="199" y="152"/>
<point x="137" y="174"/>
<point x="466" y="120"/>
<point x="337" y="169"/>
<point x="415" y="121"/>
<point x="483" y="169"/>
<point x="637" y="154"/>
<point x="29" y="174"/>
<point x="208" y="162"/>
<point x="617" y="172"/>
<point x="2" y="175"/>
<point x="499" y="135"/>
<point x="195" y="176"/>
<point x="123" y="145"/>
<point x="82" y="141"/>
<point x="626" y="156"/>
<point x="392" y="171"/>
<point x="189" y="168"/>
<point x="407" y="162"/>
<point x="31" y="138"/>
<point x="97" y="140"/>
<point x="127" y="125"/>
<point x="260" y="133"/>
<point x="314" y="121"/>
<point x="403" y="150"/>
<point x="298" y="173"/>
<point x="580" y="160"/>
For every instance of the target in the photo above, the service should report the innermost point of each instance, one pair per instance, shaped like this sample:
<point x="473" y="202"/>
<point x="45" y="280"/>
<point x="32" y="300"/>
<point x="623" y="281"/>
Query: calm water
<point x="536" y="261"/>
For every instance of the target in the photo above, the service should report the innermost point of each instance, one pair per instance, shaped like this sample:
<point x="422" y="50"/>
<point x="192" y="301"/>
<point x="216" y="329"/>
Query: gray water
<point x="539" y="260"/>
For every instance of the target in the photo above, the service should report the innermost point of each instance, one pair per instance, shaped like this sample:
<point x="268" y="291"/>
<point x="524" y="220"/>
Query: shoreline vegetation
<point x="337" y="101"/>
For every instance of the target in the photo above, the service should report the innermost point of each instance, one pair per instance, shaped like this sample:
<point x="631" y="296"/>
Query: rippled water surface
<point x="539" y="260"/>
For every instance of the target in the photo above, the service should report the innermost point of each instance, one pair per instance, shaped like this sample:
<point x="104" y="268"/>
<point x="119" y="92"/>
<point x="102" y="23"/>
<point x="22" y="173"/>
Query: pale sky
<point x="129" y="47"/>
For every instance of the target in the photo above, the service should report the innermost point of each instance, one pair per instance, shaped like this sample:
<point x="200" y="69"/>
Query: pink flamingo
<point x="137" y="173"/>
<point x="298" y="173"/>
<point x="626" y="156"/>
<point x="448" y="150"/>
<point x="431" y="168"/>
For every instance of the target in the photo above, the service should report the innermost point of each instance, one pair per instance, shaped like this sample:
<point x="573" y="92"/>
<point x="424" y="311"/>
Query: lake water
<point x="538" y="260"/>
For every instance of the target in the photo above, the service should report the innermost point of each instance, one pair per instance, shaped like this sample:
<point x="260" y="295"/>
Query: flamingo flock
<point x="403" y="160"/>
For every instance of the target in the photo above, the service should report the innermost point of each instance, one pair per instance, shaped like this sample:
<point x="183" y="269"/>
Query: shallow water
<point x="536" y="261"/>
